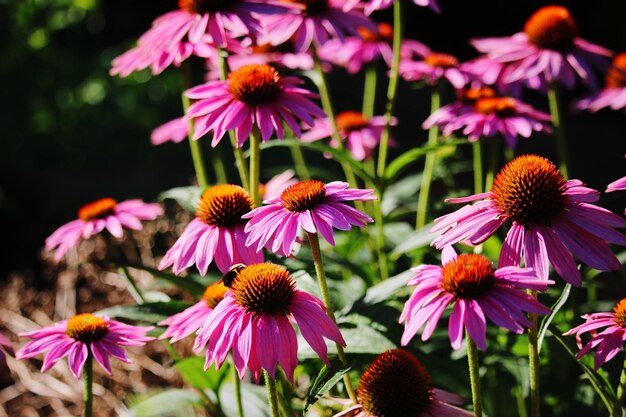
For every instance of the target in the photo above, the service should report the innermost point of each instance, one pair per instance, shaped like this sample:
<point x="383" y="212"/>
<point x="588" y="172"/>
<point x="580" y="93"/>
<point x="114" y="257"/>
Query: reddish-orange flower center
<point x="501" y="106"/>
<point x="530" y="190"/>
<point x="620" y="313"/>
<point x="255" y="84"/>
<point x="206" y="6"/>
<point x="385" y="33"/>
<point x="469" y="276"/>
<point x="223" y="205"/>
<point x="303" y="195"/>
<point x="351" y="120"/>
<point x="395" y="384"/>
<point x="214" y="293"/>
<point x="441" y="60"/>
<point x="313" y="6"/>
<point x="616" y="75"/>
<point x="86" y="328"/>
<point x="471" y="95"/>
<point x="99" y="209"/>
<point x="264" y="288"/>
<point x="551" y="27"/>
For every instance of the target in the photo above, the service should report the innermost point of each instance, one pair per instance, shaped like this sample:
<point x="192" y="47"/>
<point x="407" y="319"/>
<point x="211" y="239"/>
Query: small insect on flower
<point x="230" y="276"/>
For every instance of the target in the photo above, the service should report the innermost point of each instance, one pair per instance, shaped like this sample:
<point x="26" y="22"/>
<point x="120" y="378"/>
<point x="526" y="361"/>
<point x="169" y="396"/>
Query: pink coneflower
<point x="476" y="289"/>
<point x="283" y="55"/>
<point x="467" y="98"/>
<point x="277" y="184"/>
<point x="549" y="48"/>
<point x="310" y="205"/>
<point x="396" y="384"/>
<point x="361" y="135"/>
<point x="254" y="322"/>
<point x="217" y="233"/>
<point x="197" y="28"/>
<point x="80" y="336"/>
<point x="429" y="66"/>
<point x="252" y="95"/>
<point x="175" y="130"/>
<point x="318" y="22"/>
<point x="93" y="218"/>
<point x="353" y="52"/>
<point x="374" y="5"/>
<point x="6" y="347"/>
<point x="550" y="219"/>
<point x="491" y="116"/>
<point x="189" y="320"/>
<point x="613" y="95"/>
<point x="610" y="341"/>
<point x="485" y="71"/>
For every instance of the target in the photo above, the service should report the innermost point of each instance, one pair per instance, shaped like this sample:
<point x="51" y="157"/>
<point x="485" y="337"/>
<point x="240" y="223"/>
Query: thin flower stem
<point x="255" y="165"/>
<point x="472" y="360"/>
<point x="369" y="90"/>
<point x="88" y="378"/>
<point x="383" y="267"/>
<point x="533" y="360"/>
<point x="429" y="164"/>
<point x="299" y="162"/>
<point x="284" y="404"/>
<point x="478" y="167"/>
<point x="494" y="152"/>
<point x="134" y="289"/>
<point x="218" y="165"/>
<point x="272" y="395"/>
<point x="321" y="279"/>
<point x="621" y="393"/>
<point x="194" y="146"/>
<point x="559" y="131"/>
<point x="392" y="89"/>
<point x="237" y="391"/>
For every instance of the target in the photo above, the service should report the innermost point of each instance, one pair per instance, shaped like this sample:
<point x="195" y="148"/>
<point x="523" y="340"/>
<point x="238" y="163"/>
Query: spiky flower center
<point x="206" y="6"/>
<point x="469" y="276"/>
<point x="620" y="313"/>
<point x="313" y="7"/>
<point x="439" y="60"/>
<point x="501" y="106"/>
<point x="384" y="33"/>
<point x="86" y="328"/>
<point x="350" y="121"/>
<point x="530" y="190"/>
<point x="472" y="95"/>
<point x="214" y="293"/>
<point x="616" y="75"/>
<point x="255" y="84"/>
<point x="99" y="209"/>
<point x="223" y="205"/>
<point x="396" y="384"/>
<point x="303" y="195"/>
<point x="551" y="27"/>
<point x="264" y="288"/>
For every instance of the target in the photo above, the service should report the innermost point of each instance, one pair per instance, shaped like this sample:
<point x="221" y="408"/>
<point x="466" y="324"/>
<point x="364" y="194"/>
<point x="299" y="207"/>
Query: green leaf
<point x="148" y="312"/>
<point x="192" y="371"/>
<point x="325" y="381"/>
<point x="555" y="309"/>
<point x="253" y="398"/>
<point x="187" y="197"/>
<point x="417" y="239"/>
<point x="192" y="283"/>
<point x="386" y="289"/>
<point x="402" y="162"/>
<point x="172" y="402"/>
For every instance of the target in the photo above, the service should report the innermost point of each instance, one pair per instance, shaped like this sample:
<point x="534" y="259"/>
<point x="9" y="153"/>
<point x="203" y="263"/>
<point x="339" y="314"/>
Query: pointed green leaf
<point x="325" y="381"/>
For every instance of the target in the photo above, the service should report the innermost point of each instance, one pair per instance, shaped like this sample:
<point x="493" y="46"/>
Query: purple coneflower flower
<point x="374" y="5"/>
<point x="105" y="213"/>
<point x="176" y="130"/>
<point x="613" y="95"/>
<point x="549" y="48"/>
<point x="254" y="321"/>
<point x="252" y="95"/>
<point x="189" y="320"/>
<point x="396" y="384"/>
<point x="609" y="341"/>
<point x="80" y="336"/>
<point x="217" y="233"/>
<point x="491" y="116"/>
<point x="476" y="289"/>
<point x="310" y="205"/>
<point x="424" y="64"/>
<point x="362" y="135"/>
<point x="318" y="22"/>
<point x="550" y="219"/>
<point x="283" y="55"/>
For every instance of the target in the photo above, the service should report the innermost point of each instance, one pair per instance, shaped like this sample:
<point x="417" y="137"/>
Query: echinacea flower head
<point x="549" y="48"/>
<point x="610" y="341"/>
<point x="189" y="320"/>
<point x="176" y="130"/>
<point x="374" y="5"/>
<point x="254" y="321"/>
<point x="310" y="205"/>
<point x="217" y="233"/>
<point x="396" y="384"/>
<point x="360" y="133"/>
<point x="80" y="336"/>
<point x="613" y="95"/>
<point x="426" y="65"/>
<point x="253" y="95"/>
<point x="550" y="219"/>
<point x="477" y="290"/>
<point x="97" y="216"/>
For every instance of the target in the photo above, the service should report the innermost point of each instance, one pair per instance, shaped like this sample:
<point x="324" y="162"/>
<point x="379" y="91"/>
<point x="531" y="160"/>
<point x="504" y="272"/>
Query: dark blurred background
<point x="71" y="134"/>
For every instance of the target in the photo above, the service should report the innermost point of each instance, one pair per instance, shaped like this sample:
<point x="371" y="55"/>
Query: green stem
<point x="472" y="360"/>
<point x="383" y="267"/>
<point x="393" y="85"/>
<point x="478" y="167"/>
<point x="321" y="279"/>
<point x="299" y="162"/>
<point x="255" y="165"/>
<point x="88" y="378"/>
<point x="194" y="146"/>
<point x="272" y="395"/>
<point x="494" y="152"/>
<point x="134" y="289"/>
<point x="217" y="159"/>
<point x="533" y="360"/>
<point x="429" y="164"/>
<point x="369" y="91"/>
<point x="509" y="153"/>
<point x="559" y="131"/>
<point x="237" y="391"/>
<point x="285" y="405"/>
<point x="621" y="391"/>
